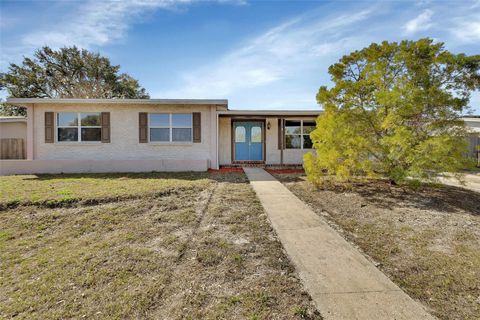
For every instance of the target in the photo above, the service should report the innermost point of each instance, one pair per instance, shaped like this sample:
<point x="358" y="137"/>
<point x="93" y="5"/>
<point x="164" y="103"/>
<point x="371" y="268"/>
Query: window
<point x="170" y="127"/>
<point x="308" y="127"/>
<point x="297" y="134"/>
<point x="256" y="134"/>
<point x="240" y="135"/>
<point x="181" y="127"/>
<point x="78" y="127"/>
<point x="159" y="127"/>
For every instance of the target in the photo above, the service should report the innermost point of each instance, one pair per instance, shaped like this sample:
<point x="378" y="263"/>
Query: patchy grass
<point x="66" y="189"/>
<point x="206" y="252"/>
<point x="428" y="241"/>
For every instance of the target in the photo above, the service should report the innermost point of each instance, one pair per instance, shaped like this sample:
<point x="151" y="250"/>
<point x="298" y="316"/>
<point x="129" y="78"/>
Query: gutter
<point x="218" y="102"/>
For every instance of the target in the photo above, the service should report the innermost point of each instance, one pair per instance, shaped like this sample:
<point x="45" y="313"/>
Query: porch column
<point x="213" y="138"/>
<point x="30" y="137"/>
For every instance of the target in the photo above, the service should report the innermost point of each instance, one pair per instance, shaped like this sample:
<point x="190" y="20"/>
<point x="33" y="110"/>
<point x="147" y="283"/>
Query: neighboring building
<point x="13" y="134"/>
<point x="473" y="124"/>
<point x="108" y="135"/>
<point x="13" y="127"/>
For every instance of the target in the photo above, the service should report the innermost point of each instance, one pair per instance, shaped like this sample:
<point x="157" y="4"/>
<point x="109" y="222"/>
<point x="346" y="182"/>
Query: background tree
<point x="9" y="110"/>
<point x="394" y="111"/>
<point x="68" y="73"/>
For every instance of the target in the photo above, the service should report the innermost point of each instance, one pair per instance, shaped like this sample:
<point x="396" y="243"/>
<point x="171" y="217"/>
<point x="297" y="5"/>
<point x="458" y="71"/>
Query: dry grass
<point x="62" y="189"/>
<point x="428" y="241"/>
<point x="207" y="252"/>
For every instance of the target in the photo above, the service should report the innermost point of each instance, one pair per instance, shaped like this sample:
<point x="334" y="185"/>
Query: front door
<point x="248" y="141"/>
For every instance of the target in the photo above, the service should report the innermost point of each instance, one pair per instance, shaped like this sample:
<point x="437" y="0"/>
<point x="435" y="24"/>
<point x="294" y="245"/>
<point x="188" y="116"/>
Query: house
<point x="128" y="135"/>
<point x="13" y="131"/>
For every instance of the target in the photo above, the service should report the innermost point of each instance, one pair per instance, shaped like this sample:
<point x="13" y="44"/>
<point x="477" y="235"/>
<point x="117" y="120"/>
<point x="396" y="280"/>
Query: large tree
<point x="69" y="73"/>
<point x="394" y="111"/>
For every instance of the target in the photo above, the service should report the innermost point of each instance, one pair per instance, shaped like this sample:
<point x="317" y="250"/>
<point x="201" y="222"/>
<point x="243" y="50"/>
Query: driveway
<point x="472" y="181"/>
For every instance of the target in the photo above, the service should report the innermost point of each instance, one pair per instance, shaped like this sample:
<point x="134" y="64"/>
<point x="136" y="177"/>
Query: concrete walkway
<point x="342" y="282"/>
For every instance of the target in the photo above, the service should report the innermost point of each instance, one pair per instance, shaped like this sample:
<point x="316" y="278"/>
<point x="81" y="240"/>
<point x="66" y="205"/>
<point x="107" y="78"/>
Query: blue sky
<point x="257" y="54"/>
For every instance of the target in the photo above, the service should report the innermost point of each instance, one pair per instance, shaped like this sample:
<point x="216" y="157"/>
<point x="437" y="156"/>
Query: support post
<point x="282" y="141"/>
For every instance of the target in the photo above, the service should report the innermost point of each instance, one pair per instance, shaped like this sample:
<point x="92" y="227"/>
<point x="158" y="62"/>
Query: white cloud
<point x="99" y="22"/>
<point x="467" y="31"/>
<point x="96" y="23"/>
<point x="93" y="23"/>
<point x="421" y="23"/>
<point x="280" y="53"/>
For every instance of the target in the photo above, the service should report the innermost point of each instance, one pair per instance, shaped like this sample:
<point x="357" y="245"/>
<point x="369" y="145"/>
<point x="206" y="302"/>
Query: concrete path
<point x="342" y="282"/>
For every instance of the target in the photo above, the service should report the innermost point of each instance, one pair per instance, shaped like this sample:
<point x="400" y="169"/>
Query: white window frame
<point x="171" y="127"/>
<point x="78" y="126"/>
<point x="302" y="134"/>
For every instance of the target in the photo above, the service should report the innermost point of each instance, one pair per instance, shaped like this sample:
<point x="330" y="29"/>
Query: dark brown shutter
<point x="280" y="135"/>
<point x="197" y="127"/>
<point x="49" y="127"/>
<point x="105" y="123"/>
<point x="143" y="127"/>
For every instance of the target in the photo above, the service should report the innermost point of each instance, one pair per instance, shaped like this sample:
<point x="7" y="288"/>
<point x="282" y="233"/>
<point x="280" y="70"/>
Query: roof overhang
<point x="28" y="101"/>
<point x="287" y="113"/>
<point x="13" y="119"/>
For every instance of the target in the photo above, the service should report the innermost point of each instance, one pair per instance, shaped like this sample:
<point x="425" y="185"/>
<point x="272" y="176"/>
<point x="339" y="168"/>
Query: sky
<point x="256" y="54"/>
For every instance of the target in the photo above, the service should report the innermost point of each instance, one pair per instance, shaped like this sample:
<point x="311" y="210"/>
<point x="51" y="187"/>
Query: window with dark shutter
<point x="143" y="127"/>
<point x="49" y="127"/>
<point x="79" y="127"/>
<point x="197" y="127"/>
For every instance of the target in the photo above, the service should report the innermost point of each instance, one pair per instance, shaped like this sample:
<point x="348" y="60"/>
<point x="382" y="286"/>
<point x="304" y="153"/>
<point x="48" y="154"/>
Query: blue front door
<point x="248" y="141"/>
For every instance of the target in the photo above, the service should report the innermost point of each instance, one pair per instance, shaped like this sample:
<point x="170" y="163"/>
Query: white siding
<point x="225" y="141"/>
<point x="124" y="143"/>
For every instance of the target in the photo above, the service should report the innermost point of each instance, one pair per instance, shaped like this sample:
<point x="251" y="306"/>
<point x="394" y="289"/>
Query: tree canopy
<point x="394" y="111"/>
<point x="69" y="72"/>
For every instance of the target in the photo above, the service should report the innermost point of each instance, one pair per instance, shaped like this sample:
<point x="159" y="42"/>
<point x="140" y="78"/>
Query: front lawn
<point x="59" y="189"/>
<point x="203" y="250"/>
<point x="428" y="241"/>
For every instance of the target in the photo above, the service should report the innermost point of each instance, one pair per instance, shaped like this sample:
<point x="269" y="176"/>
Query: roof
<point x="12" y="119"/>
<point x="218" y="102"/>
<point x="272" y="112"/>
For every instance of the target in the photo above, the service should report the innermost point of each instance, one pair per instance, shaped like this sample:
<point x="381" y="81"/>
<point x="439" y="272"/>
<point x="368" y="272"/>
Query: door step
<point x="263" y="165"/>
<point x="244" y="164"/>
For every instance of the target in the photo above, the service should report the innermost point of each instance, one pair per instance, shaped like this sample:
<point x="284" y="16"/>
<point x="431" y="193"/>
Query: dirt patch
<point x="427" y="241"/>
<point x="206" y="252"/>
